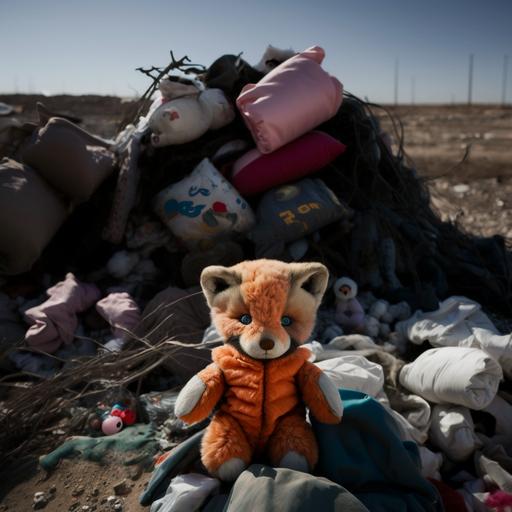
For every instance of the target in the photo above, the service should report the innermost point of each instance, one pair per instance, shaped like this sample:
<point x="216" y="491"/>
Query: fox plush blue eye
<point x="286" y="321"/>
<point x="246" y="319"/>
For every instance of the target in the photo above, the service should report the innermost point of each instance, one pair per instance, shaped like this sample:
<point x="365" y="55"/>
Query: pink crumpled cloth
<point x="121" y="312"/>
<point x="54" y="322"/>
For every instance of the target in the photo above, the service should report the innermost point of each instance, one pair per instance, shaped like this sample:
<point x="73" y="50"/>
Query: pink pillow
<point x="254" y="173"/>
<point x="291" y="100"/>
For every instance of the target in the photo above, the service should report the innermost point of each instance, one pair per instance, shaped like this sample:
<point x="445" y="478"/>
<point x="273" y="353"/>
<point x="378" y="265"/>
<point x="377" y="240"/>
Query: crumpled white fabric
<point x="453" y="375"/>
<point x="431" y="463"/>
<point x="502" y="412"/>
<point x="416" y="411"/>
<point x="493" y="466"/>
<point x="354" y="372"/>
<point x="459" y="321"/>
<point x="351" y="341"/>
<point x="452" y="431"/>
<point x="340" y="346"/>
<point x="405" y="430"/>
<point x="414" y="408"/>
<point x="186" y="493"/>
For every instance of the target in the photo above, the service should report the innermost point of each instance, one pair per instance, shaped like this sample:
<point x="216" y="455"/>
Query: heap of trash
<point x="102" y="320"/>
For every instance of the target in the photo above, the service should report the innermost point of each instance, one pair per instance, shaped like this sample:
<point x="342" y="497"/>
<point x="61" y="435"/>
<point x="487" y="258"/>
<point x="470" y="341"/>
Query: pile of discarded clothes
<point x="102" y="243"/>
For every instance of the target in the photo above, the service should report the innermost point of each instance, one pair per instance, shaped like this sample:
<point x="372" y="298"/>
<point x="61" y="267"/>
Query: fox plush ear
<point x="216" y="279"/>
<point x="312" y="278"/>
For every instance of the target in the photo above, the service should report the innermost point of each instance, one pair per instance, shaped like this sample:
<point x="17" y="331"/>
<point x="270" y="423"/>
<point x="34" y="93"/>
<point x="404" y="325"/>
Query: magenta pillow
<point x="255" y="172"/>
<point x="294" y="98"/>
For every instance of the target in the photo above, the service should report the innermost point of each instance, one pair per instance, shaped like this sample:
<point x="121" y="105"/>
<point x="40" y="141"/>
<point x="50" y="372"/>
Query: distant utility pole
<point x="396" y="82"/>
<point x="504" y="85"/>
<point x="413" y="90"/>
<point x="470" y="80"/>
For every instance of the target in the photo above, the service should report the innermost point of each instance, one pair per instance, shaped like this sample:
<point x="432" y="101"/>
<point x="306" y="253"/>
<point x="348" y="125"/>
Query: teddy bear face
<point x="265" y="308"/>
<point x="345" y="289"/>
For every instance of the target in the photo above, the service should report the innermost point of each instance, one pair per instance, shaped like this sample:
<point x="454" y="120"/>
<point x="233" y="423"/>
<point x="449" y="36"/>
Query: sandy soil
<point x="79" y="486"/>
<point x="476" y="193"/>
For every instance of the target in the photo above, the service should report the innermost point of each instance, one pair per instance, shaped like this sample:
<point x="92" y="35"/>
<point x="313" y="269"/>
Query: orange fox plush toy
<point x="261" y="378"/>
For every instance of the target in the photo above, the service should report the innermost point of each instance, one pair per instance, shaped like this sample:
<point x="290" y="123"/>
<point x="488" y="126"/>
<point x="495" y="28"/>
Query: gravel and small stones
<point x="114" y="503"/>
<point x="78" y="491"/>
<point x="40" y="500"/>
<point x="122" y="488"/>
<point x="135" y="472"/>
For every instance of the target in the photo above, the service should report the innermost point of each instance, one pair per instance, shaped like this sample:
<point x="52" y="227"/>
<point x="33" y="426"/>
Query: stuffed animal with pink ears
<point x="349" y="313"/>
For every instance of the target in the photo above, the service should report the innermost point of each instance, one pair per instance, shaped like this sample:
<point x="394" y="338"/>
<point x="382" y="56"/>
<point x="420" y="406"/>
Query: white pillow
<point x="203" y="206"/>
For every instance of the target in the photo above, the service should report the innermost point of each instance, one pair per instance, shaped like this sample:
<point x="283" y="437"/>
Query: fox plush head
<point x="266" y="308"/>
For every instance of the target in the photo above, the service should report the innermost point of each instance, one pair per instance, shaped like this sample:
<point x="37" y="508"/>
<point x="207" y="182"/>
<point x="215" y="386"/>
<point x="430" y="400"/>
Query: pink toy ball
<point x="111" y="425"/>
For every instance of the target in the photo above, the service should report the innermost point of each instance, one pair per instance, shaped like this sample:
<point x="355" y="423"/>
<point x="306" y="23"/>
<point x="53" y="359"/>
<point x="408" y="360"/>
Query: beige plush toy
<point x="186" y="118"/>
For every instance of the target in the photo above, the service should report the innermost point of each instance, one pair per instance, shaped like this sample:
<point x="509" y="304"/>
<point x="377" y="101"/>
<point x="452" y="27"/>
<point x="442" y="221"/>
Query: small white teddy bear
<point x="186" y="118"/>
<point x="349" y="313"/>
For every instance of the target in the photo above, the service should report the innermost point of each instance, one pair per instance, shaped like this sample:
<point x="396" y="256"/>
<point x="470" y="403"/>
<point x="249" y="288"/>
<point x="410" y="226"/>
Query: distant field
<point x="436" y="139"/>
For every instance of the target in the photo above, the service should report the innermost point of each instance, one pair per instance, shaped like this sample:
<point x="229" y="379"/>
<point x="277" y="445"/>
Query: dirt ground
<point x="79" y="486"/>
<point x="475" y="193"/>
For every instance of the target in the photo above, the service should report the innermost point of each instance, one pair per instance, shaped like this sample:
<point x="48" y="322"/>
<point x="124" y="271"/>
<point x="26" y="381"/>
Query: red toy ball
<point x="128" y="416"/>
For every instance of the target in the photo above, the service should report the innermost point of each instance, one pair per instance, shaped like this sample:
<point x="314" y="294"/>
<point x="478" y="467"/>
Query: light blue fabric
<point x="365" y="454"/>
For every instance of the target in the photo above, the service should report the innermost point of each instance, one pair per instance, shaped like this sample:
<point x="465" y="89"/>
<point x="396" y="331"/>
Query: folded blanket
<point x="459" y="322"/>
<point x="453" y="375"/>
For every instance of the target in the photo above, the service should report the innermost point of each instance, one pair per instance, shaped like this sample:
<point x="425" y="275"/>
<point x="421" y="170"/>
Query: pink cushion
<point x="291" y="100"/>
<point x="254" y="172"/>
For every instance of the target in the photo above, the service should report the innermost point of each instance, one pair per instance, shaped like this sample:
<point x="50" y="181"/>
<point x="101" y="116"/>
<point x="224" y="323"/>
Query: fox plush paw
<point x="189" y="396"/>
<point x="231" y="469"/>
<point x="331" y="394"/>
<point x="296" y="461"/>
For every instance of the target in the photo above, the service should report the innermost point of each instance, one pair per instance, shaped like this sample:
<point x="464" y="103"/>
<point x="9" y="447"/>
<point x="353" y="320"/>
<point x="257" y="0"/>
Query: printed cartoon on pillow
<point x="203" y="206"/>
<point x="261" y="381"/>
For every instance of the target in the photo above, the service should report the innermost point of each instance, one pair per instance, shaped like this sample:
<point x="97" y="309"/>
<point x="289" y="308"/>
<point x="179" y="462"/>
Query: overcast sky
<point x="94" y="46"/>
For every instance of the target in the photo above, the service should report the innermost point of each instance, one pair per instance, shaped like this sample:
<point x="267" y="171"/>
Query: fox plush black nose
<point x="267" y="344"/>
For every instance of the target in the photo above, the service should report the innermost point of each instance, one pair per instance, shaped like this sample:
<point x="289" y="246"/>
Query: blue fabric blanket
<point x="365" y="454"/>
